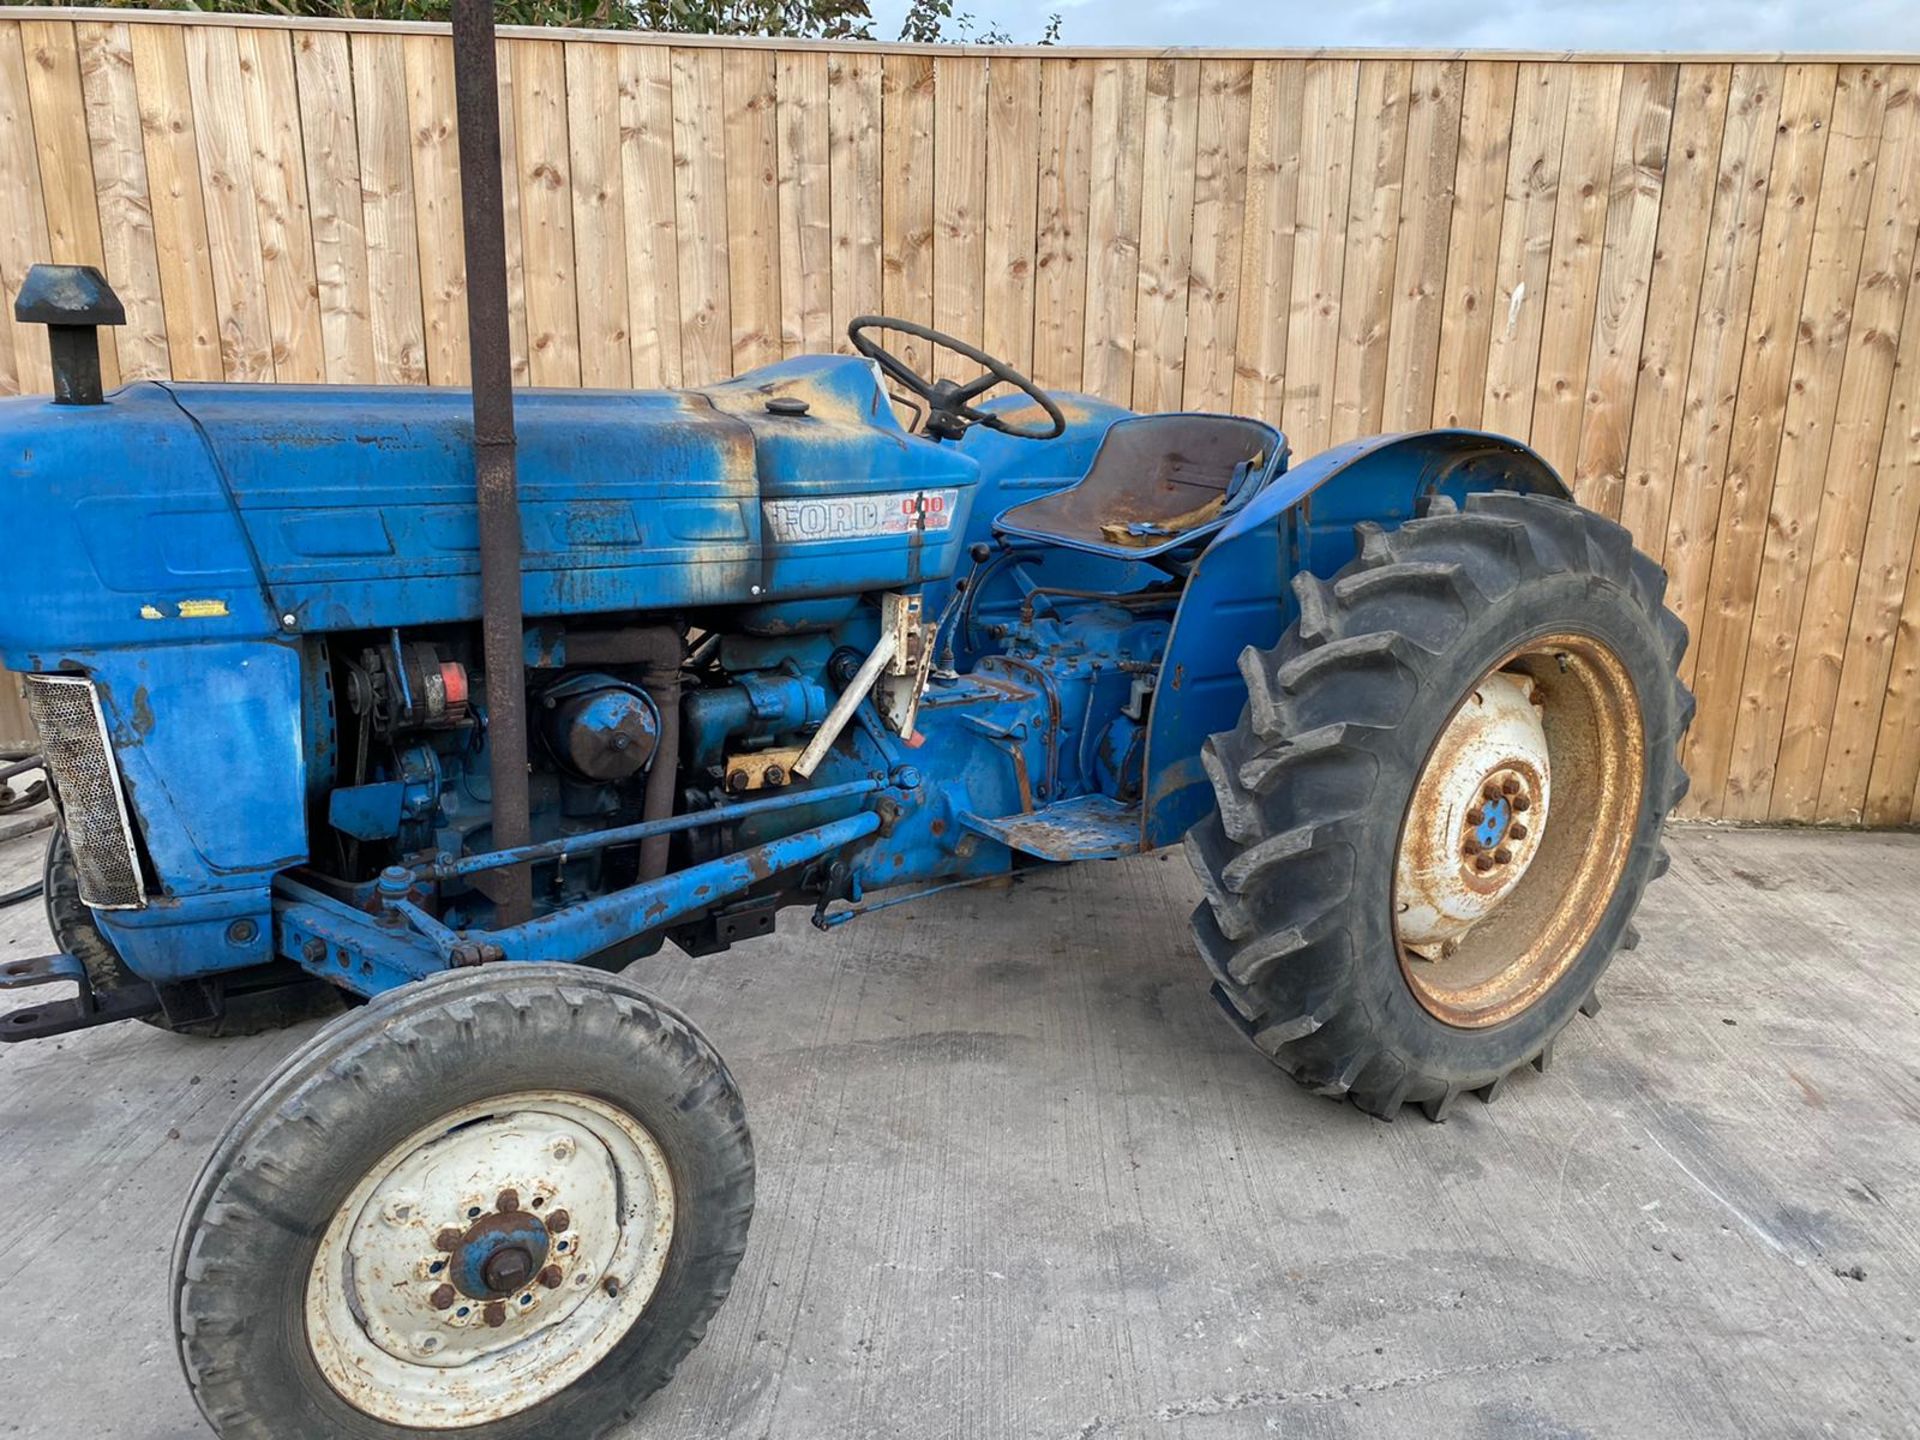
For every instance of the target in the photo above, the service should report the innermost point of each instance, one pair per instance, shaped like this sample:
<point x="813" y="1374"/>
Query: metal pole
<point x="477" y="103"/>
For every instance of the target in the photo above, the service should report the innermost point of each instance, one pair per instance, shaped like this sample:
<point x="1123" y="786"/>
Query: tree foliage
<point x="927" y="21"/>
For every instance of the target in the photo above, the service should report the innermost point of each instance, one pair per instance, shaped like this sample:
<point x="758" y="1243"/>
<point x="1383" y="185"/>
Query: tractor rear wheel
<point x="253" y="1001"/>
<point x="505" y="1202"/>
<point x="1443" y="801"/>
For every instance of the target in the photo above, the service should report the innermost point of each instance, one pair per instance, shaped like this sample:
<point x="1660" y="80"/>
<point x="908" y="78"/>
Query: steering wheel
<point x="950" y="407"/>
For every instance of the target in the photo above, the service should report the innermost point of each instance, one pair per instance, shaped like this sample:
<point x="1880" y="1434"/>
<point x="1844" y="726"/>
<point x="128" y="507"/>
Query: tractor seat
<point x="1158" y="483"/>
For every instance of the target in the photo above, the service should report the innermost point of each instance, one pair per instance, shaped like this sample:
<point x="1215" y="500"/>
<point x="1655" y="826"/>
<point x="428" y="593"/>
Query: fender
<point x="1241" y="591"/>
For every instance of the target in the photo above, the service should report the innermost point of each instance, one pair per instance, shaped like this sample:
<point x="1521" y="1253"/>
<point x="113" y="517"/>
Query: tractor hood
<point x="230" y="511"/>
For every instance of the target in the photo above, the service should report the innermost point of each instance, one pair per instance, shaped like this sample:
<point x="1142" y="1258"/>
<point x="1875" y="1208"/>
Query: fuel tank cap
<point x="791" y="406"/>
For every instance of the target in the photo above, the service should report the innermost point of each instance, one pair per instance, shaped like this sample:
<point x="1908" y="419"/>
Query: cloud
<point x="1880" y="26"/>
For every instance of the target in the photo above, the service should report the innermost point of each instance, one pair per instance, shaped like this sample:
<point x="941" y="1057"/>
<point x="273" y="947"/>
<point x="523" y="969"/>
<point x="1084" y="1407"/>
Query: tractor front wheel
<point x="1443" y="801"/>
<point x="504" y="1202"/>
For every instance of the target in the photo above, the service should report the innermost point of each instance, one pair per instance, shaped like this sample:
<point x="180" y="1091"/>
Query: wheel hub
<point x="486" y="1261"/>
<point x="1477" y="817"/>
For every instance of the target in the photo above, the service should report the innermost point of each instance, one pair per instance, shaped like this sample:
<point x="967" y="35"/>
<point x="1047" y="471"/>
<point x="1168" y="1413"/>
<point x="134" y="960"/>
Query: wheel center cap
<point x="498" y="1255"/>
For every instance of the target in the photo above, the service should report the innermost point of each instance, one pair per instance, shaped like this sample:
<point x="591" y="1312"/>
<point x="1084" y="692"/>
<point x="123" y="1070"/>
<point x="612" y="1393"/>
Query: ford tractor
<point x="758" y="646"/>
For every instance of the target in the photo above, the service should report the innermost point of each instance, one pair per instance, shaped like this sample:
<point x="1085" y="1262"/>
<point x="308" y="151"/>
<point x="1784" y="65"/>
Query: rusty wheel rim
<point x="1486" y="921"/>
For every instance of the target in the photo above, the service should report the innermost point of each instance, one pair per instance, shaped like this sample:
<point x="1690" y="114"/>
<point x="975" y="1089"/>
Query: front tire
<point x="1372" y="922"/>
<point x="505" y="1203"/>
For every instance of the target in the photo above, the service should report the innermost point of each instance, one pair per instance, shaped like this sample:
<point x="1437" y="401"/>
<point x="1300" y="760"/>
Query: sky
<point x="1878" y="26"/>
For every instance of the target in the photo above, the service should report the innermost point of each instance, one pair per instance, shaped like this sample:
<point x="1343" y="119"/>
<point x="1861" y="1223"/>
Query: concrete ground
<point x="1018" y="1179"/>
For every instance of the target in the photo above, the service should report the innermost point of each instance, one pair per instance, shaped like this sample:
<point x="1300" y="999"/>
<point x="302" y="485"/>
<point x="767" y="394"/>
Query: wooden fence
<point x="1684" y="280"/>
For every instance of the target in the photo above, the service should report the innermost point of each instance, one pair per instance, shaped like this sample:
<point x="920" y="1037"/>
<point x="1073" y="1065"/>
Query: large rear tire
<point x="1394" y="911"/>
<point x="504" y="1202"/>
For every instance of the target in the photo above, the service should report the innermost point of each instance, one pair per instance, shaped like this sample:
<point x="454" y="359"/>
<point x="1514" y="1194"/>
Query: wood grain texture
<point x="282" y="222"/>
<point x="1420" y="260"/>
<point x="65" y="158"/>
<point x="1684" y="281"/>
<point x="1319" y="253"/>
<point x="1012" y="211"/>
<point x="1759" y="411"/>
<point x="1113" y="227"/>
<point x="1849" y="494"/>
<point x="959" y="208"/>
<point x="1467" y="314"/>
<point x="387" y="211"/>
<point x="1060" y="224"/>
<point x="120" y="185"/>
<point x="598" y="191"/>
<point x="1634" y="187"/>
<point x="1372" y="248"/>
<point x="323" y="71"/>
<point x="806" y="206"/>
<point x="854" y="143"/>
<point x="700" y="188"/>
<point x="652" y="231"/>
<point x="752" y="147"/>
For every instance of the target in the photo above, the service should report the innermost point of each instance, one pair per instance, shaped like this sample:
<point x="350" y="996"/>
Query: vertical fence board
<point x="434" y="132"/>
<point x="281" y="220"/>
<point x="387" y="210"/>
<point x="1420" y="262"/>
<point x="66" y="159"/>
<point x="1760" y="404"/>
<point x="647" y="180"/>
<point x="1219" y="204"/>
<point x="1060" y="226"/>
<point x="959" y="207"/>
<point x="700" y="171"/>
<point x="120" y="183"/>
<point x="1688" y="283"/>
<point x="226" y="186"/>
<point x="1012" y="218"/>
<point x="1319" y="253"/>
<point x="1847" y="497"/>
<point x="906" y="245"/>
<point x="1673" y="298"/>
<point x="324" y="77"/>
<point x="753" y="208"/>
<point x="806" y="208"/>
<point x="1166" y="234"/>
<point x="1526" y="246"/>
<point x="1113" y="226"/>
<point x="1275" y="116"/>
<point x="1619" y="314"/>
<point x="173" y="191"/>
<point x="1372" y="245"/>
<point x="600" y="255"/>
<point x="1713" y="376"/>
<point x="546" y="210"/>
<point x="1467" y="312"/>
<point x="1806" y="436"/>
<point x="1573" y="275"/>
<point x="853" y="120"/>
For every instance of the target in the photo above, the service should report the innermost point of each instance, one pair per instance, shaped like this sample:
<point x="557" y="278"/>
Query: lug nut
<point x="1509" y="786"/>
<point x="508" y="1201"/>
<point x="442" y="1299"/>
<point x="447" y="1240"/>
<point x="1476" y="815"/>
<point x="557" y="1221"/>
<point x="495" y="1314"/>
<point x="1483" y="863"/>
<point x="1517" y="832"/>
<point x="1503" y="856"/>
<point x="550" y="1277"/>
<point x="1521" y="802"/>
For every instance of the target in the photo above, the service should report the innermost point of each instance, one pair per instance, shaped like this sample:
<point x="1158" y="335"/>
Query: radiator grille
<point x="86" y="780"/>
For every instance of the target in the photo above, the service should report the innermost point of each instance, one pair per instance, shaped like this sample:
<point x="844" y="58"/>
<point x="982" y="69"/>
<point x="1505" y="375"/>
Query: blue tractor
<point x="1412" y="711"/>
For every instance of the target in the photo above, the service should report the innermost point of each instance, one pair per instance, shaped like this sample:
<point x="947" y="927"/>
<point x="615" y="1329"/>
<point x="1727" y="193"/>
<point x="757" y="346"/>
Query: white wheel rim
<point x="1478" y="816"/>
<point x="490" y="1259"/>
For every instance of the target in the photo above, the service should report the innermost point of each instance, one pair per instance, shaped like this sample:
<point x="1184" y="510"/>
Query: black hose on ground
<point x="10" y="898"/>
